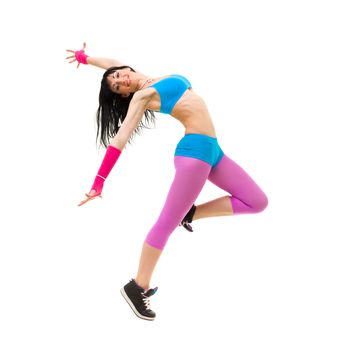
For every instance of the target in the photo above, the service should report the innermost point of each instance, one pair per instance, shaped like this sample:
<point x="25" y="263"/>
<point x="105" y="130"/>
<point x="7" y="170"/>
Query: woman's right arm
<point x="104" y="63"/>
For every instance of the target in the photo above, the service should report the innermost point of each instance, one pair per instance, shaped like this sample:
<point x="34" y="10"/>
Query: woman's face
<point x="122" y="82"/>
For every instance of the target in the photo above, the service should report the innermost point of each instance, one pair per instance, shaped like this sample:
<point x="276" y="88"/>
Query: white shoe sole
<point x="122" y="291"/>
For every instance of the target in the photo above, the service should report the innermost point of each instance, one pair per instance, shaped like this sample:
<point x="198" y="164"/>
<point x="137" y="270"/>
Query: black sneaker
<point x="138" y="299"/>
<point x="188" y="219"/>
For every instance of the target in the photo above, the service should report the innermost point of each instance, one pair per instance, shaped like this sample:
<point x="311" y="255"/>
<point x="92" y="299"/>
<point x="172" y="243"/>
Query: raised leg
<point x="246" y="197"/>
<point x="217" y="207"/>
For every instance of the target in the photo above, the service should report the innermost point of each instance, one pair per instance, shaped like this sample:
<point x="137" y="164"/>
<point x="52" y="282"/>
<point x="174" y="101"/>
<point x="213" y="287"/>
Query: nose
<point x="120" y="80"/>
<point x="114" y="81"/>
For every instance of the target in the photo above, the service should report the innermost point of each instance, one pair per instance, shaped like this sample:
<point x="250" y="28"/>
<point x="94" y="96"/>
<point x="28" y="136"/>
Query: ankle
<point x="191" y="214"/>
<point x="142" y="284"/>
<point x="195" y="214"/>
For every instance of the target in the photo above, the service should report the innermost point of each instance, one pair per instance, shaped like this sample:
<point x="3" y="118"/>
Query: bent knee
<point x="260" y="204"/>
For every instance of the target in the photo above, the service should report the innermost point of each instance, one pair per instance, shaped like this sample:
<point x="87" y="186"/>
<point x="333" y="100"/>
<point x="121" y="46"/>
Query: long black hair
<point x="112" y="111"/>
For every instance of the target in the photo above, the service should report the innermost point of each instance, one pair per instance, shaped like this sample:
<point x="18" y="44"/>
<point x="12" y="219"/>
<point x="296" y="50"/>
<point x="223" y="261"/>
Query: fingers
<point x="87" y="199"/>
<point x="73" y="51"/>
<point x="73" y="57"/>
<point x="84" y="201"/>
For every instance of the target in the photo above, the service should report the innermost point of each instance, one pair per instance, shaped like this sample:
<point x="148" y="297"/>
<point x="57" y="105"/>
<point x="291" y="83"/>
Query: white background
<point x="275" y="76"/>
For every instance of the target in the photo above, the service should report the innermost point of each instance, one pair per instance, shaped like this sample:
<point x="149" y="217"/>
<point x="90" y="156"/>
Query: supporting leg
<point x="190" y="177"/>
<point x="148" y="261"/>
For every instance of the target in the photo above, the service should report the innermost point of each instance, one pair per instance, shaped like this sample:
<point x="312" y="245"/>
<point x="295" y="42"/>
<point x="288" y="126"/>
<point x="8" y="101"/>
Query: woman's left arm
<point x="136" y="109"/>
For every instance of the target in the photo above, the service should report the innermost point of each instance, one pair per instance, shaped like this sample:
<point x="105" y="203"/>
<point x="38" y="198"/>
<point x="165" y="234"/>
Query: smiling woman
<point x="113" y="105"/>
<point x="120" y="81"/>
<point x="125" y="97"/>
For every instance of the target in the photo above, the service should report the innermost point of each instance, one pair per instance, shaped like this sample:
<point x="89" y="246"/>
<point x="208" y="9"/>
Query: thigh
<point x="230" y="177"/>
<point x="190" y="177"/>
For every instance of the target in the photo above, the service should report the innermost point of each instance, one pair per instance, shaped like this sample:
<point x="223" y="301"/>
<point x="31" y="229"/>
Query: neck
<point x="142" y="84"/>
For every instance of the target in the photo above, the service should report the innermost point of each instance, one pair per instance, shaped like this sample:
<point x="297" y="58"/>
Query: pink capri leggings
<point x="199" y="158"/>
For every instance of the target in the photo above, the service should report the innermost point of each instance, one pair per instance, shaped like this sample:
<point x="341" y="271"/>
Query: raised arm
<point x="104" y="63"/>
<point x="101" y="62"/>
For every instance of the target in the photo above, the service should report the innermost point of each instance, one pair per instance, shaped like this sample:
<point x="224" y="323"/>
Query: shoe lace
<point x="146" y="301"/>
<point x="146" y="295"/>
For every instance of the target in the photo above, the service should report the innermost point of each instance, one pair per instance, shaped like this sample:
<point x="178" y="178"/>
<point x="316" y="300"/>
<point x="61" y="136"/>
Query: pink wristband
<point x="110" y="158"/>
<point x="81" y="57"/>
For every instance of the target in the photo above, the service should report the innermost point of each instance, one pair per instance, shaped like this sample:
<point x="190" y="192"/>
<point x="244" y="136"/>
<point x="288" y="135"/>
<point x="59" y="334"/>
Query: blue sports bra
<point x="170" y="90"/>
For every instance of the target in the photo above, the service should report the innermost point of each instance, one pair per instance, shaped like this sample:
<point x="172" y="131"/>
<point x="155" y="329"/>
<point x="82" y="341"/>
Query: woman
<point x="125" y="97"/>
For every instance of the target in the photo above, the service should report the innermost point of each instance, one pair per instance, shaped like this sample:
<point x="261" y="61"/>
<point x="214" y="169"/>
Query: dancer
<point x="125" y="97"/>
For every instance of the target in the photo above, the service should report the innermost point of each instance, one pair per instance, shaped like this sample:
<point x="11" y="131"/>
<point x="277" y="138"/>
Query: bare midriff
<point x="191" y="111"/>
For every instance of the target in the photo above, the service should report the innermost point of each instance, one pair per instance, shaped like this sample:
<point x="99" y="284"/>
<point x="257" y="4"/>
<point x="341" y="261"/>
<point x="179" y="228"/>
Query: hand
<point x="78" y="56"/>
<point x="90" y="196"/>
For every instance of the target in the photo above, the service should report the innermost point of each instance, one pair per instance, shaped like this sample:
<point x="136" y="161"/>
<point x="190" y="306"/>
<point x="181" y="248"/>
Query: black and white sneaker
<point x="138" y="299"/>
<point x="188" y="219"/>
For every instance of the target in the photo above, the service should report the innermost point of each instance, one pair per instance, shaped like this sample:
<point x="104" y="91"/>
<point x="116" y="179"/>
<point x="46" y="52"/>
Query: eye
<point x="115" y="87"/>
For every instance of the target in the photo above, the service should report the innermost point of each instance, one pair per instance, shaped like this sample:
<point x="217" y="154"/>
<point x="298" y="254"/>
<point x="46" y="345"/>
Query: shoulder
<point x="143" y="97"/>
<point x="144" y="94"/>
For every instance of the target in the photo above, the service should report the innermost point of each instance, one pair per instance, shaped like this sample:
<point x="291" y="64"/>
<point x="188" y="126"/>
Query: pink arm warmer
<point x="111" y="157"/>
<point x="81" y="57"/>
